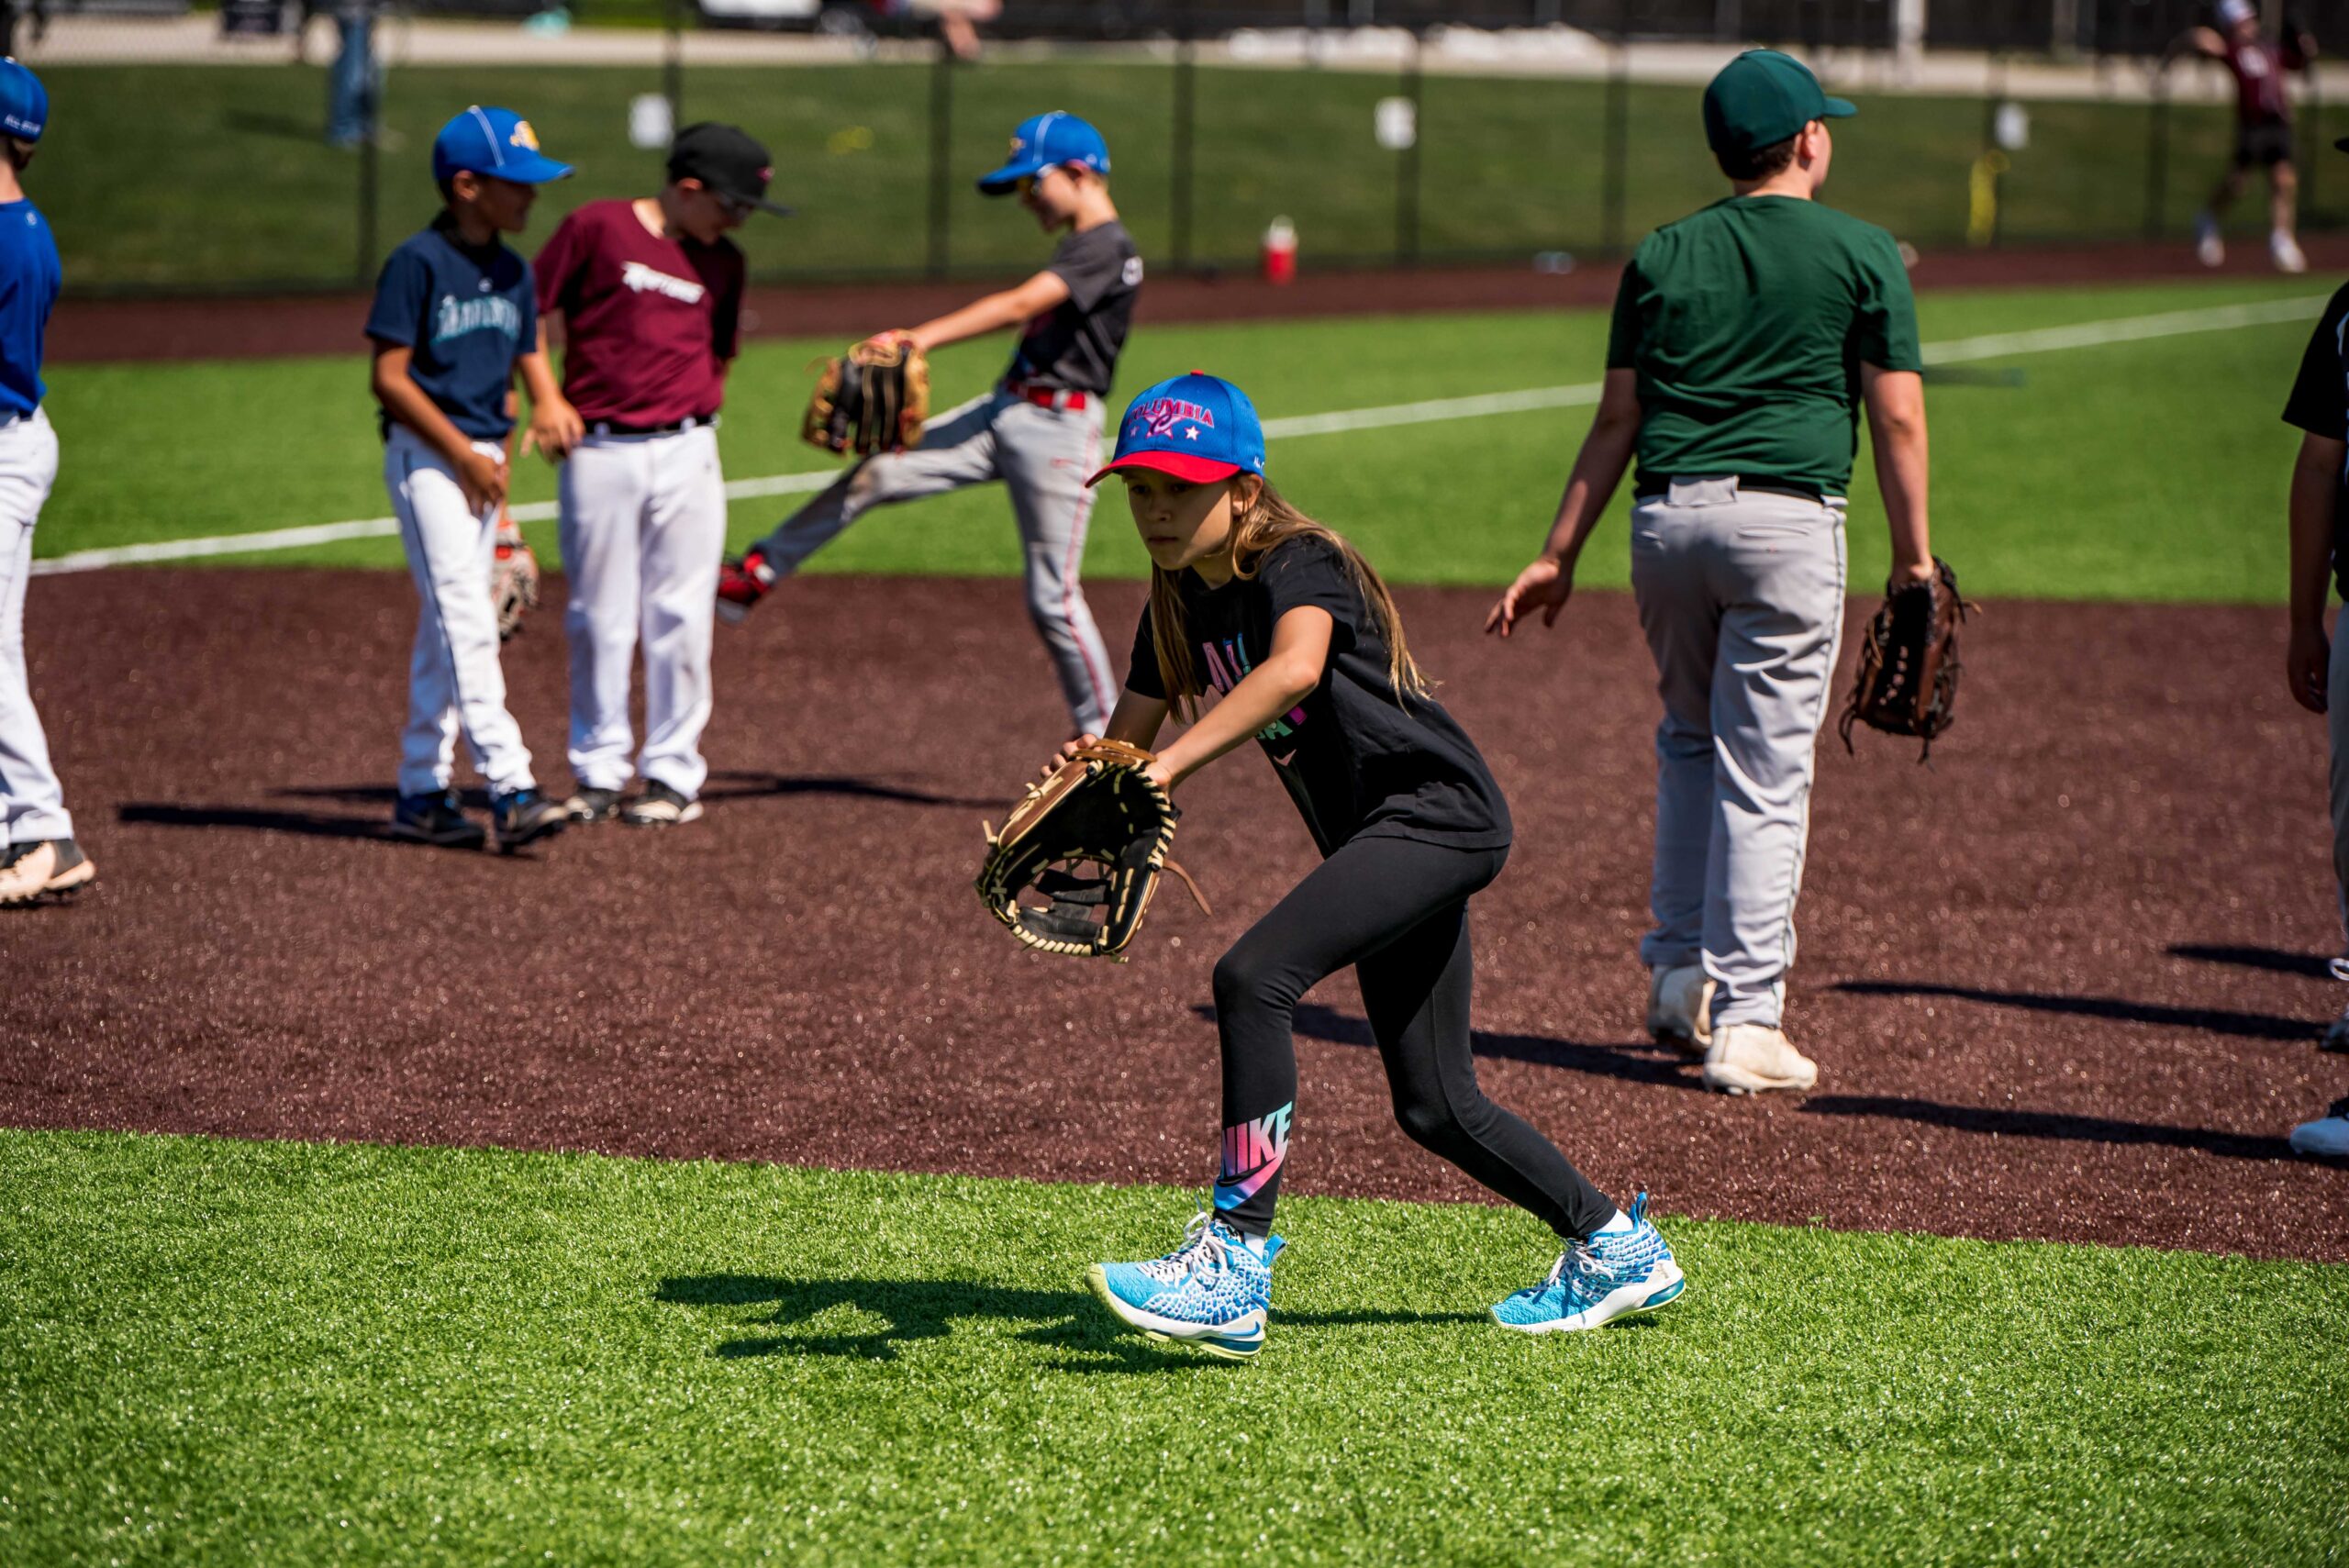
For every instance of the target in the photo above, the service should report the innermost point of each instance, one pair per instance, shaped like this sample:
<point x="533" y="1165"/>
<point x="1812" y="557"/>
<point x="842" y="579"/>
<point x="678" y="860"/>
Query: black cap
<point x="727" y="161"/>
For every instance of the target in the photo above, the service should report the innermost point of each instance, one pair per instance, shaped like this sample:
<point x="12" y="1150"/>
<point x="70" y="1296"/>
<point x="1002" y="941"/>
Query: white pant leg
<point x="455" y="682"/>
<point x="958" y="449"/>
<point x="1773" y="682"/>
<point x="683" y="544"/>
<point x="605" y="488"/>
<point x="1671" y="581"/>
<point x="1046" y="456"/>
<point x="33" y="802"/>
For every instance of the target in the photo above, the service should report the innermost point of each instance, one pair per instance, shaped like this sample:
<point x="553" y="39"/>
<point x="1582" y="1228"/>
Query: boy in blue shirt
<point x="455" y="313"/>
<point x="40" y="862"/>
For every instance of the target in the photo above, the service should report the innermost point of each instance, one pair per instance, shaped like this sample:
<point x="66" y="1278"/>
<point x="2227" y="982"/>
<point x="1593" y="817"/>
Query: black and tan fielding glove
<point x="875" y="399"/>
<point x="1073" y="869"/>
<point x="513" y="579"/>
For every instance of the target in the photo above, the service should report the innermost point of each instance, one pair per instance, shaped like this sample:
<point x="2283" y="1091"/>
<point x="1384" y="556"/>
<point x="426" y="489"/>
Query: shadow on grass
<point x="2275" y="960"/>
<point x="1634" y="1064"/>
<point x="2212" y="1020"/>
<point x="2049" y="1124"/>
<point x="911" y="1310"/>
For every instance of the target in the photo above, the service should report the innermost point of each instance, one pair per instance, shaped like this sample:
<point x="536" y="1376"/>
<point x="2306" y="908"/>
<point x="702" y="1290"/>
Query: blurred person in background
<point x="352" y="80"/>
<point x="2262" y="123"/>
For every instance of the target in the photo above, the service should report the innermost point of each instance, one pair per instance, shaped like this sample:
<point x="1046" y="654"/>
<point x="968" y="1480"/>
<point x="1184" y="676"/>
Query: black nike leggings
<point x="1398" y="910"/>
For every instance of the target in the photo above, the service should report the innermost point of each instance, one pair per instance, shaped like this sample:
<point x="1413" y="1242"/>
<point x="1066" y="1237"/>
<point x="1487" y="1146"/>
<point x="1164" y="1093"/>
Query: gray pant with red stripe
<point x="1044" y="456"/>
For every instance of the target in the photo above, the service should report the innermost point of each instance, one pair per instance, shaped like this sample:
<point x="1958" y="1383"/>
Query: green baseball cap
<point x="1761" y="98"/>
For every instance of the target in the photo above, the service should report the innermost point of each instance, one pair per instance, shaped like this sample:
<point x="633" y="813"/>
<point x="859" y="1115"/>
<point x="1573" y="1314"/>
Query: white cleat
<point x="2208" y="248"/>
<point x="1754" y="1059"/>
<point x="2284" y="252"/>
<point x="1680" y="1006"/>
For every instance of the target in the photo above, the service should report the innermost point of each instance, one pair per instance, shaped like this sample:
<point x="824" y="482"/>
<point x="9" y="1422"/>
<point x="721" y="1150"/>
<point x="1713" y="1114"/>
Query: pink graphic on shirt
<point x="1227" y="666"/>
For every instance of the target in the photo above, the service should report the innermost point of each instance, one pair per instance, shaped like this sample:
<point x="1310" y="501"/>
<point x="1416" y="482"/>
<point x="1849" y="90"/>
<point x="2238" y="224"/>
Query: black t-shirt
<point x="2319" y="405"/>
<point x="1073" y="346"/>
<point x="1357" y="762"/>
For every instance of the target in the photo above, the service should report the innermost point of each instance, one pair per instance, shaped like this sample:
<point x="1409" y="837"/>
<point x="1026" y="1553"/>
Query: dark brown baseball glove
<point x="875" y="399"/>
<point x="1073" y="869"/>
<point x="1907" y="683"/>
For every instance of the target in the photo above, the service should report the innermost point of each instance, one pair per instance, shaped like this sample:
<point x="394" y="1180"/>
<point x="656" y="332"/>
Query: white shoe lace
<point x="1202" y="1252"/>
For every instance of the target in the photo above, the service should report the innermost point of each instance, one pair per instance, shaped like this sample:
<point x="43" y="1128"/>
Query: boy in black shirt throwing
<point x="1253" y="600"/>
<point x="1038" y="430"/>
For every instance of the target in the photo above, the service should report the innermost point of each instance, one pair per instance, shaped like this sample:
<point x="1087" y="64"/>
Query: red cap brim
<point x="1181" y="465"/>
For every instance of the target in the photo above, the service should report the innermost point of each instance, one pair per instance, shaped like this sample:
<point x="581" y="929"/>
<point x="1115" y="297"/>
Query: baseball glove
<point x="513" y="579"/>
<point x="1073" y="869"/>
<point x="872" y="399"/>
<point x="1908" y="678"/>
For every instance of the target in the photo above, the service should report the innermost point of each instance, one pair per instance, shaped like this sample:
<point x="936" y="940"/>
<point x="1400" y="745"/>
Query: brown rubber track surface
<point x="2065" y="983"/>
<point x="255" y="327"/>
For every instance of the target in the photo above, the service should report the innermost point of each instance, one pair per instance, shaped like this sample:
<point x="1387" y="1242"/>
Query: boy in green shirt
<point x="1746" y="336"/>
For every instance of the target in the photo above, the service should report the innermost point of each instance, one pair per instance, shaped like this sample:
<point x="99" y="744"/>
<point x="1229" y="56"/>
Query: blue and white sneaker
<point x="524" y="816"/>
<point x="1595" y="1282"/>
<point x="1215" y="1291"/>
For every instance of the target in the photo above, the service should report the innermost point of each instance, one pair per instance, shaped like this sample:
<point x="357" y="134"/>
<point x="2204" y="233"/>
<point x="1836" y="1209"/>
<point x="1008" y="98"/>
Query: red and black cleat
<point x="741" y="584"/>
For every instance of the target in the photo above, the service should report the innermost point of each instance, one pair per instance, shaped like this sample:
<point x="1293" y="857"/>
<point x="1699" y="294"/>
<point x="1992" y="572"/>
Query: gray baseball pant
<point x="1044" y="456"/>
<point x="1741" y="598"/>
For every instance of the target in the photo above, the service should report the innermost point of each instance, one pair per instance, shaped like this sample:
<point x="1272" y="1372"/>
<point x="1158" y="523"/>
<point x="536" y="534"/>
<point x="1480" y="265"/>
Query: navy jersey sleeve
<point x="527" y="303"/>
<point x="1141" y="669"/>
<point x="2320" y="400"/>
<point x="401" y="293"/>
<point x="1310" y="573"/>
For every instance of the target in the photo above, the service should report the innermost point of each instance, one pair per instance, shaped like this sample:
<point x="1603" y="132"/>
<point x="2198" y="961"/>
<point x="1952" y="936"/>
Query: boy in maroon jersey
<point x="650" y="294"/>
<point x="2262" y="124"/>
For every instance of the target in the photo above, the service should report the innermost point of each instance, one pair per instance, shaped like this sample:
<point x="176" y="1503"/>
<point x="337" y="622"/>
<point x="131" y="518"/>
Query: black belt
<point x="613" y="427"/>
<point x="1794" y="487"/>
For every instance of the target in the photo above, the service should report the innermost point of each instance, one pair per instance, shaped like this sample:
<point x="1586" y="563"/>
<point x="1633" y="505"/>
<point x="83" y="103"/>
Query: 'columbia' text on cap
<point x="1761" y="98"/>
<point x="495" y="143"/>
<point x="1048" y="142"/>
<point x="1198" y="427"/>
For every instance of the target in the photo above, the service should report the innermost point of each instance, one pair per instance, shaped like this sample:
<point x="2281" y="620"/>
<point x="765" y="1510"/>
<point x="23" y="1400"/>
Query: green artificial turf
<point x="2149" y="469"/>
<point x="222" y="1351"/>
<point x="235" y="187"/>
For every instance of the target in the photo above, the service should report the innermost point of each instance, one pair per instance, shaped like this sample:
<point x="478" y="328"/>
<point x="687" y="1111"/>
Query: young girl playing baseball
<point x="1255" y="601"/>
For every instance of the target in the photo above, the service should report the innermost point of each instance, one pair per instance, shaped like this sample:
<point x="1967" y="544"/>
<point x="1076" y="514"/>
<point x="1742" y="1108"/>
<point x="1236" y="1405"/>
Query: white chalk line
<point x="1992" y="346"/>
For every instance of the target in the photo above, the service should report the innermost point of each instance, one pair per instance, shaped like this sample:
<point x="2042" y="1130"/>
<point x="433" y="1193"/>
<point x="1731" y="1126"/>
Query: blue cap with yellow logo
<point x="495" y="143"/>
<point x="1048" y="142"/>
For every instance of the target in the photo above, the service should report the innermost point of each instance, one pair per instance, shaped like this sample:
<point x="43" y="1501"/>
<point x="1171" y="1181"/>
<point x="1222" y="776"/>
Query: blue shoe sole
<point x="1222" y="1349"/>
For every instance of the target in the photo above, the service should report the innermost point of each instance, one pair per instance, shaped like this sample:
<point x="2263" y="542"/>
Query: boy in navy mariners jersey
<point x="38" y="860"/>
<point x="1038" y="430"/>
<point x="454" y="314"/>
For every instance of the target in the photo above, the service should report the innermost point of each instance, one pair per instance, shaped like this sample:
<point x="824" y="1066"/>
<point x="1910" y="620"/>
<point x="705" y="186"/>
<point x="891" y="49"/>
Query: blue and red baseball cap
<point x="1198" y="427"/>
<point x="24" y="102"/>
<point x="495" y="143"/>
<point x="1048" y="142"/>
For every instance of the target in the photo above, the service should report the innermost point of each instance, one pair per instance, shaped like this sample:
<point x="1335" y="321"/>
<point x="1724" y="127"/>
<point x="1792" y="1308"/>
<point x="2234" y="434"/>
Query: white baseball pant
<point x="33" y="802"/>
<point x="643" y="535"/>
<point x="454" y="680"/>
<point x="1741" y="598"/>
<point x="1044" y="456"/>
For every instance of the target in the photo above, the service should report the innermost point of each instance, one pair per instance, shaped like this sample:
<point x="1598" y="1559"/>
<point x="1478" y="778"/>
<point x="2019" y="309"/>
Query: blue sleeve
<point x="401" y="293"/>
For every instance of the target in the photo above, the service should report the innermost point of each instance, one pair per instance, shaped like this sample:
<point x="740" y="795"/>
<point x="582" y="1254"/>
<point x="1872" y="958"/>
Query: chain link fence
<point x="282" y="145"/>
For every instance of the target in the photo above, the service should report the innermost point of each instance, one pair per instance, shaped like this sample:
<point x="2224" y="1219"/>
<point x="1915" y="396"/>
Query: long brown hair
<point x="1256" y="529"/>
